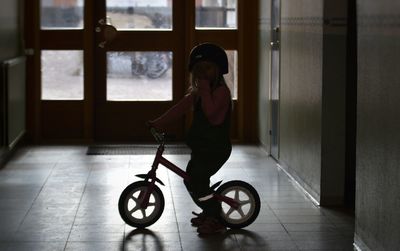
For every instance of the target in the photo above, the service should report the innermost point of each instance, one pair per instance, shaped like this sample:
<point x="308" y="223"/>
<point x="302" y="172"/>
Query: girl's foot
<point x="211" y="226"/>
<point x="198" y="220"/>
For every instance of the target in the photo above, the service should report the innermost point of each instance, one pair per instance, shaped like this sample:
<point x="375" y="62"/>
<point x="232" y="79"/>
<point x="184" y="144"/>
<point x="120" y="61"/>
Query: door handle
<point x="275" y="44"/>
<point x="107" y="30"/>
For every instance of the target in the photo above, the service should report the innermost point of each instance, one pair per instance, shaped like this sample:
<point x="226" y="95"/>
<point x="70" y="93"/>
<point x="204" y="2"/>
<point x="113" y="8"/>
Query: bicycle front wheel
<point x="130" y="209"/>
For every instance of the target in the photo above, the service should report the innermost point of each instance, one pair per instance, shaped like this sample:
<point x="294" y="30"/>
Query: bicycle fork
<point x="144" y="195"/>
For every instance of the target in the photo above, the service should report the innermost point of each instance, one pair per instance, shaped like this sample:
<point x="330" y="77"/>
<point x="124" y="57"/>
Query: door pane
<point x="140" y="14"/>
<point x="231" y="78"/>
<point x="56" y="14"/>
<point x="137" y="75"/>
<point x="62" y="75"/>
<point x="275" y="78"/>
<point x="216" y="14"/>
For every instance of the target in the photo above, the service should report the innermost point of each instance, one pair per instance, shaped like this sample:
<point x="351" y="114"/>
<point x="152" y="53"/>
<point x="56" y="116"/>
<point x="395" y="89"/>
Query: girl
<point x="209" y="99"/>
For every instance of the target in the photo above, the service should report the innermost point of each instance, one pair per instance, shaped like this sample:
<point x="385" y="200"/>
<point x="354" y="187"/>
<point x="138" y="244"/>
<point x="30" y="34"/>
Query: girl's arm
<point x="175" y="112"/>
<point x="215" y="104"/>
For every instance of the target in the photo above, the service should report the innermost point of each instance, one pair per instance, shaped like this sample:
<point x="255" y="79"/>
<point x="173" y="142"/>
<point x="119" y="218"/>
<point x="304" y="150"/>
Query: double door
<point x="102" y="68"/>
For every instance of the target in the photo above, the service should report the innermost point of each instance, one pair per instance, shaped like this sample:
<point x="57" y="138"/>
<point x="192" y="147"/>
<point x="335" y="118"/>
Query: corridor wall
<point x="313" y="95"/>
<point x="11" y="47"/>
<point x="301" y="91"/>
<point x="378" y="123"/>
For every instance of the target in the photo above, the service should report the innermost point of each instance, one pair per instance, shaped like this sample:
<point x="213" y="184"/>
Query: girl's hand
<point x="203" y="85"/>
<point x="153" y="124"/>
<point x="150" y="124"/>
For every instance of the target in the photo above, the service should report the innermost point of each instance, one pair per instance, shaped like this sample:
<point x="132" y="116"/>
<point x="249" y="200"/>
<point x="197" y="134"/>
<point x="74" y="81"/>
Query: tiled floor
<point x="58" y="198"/>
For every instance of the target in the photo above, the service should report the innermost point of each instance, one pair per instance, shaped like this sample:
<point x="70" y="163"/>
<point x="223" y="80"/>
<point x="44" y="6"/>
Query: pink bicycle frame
<point x="159" y="159"/>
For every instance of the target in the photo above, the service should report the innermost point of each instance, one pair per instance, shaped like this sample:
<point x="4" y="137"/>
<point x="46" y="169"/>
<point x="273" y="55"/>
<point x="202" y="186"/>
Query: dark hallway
<point x="314" y="120"/>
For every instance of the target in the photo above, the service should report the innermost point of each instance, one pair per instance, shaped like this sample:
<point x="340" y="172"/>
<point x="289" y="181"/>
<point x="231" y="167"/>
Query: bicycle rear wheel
<point x="249" y="204"/>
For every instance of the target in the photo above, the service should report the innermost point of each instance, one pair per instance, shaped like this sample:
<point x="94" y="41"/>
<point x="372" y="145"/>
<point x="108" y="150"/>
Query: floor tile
<point x="58" y="198"/>
<point x="32" y="246"/>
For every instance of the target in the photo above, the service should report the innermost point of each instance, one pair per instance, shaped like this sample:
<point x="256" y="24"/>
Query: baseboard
<point x="7" y="152"/>
<point x="17" y="140"/>
<point x="359" y="245"/>
<point x="297" y="181"/>
<point x="306" y="189"/>
<point x="264" y="148"/>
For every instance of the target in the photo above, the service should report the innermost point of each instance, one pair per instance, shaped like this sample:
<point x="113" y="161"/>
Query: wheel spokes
<point x="137" y="207"/>
<point x="143" y="212"/>
<point x="138" y="201"/>
<point x="230" y="211"/>
<point x="242" y="203"/>
<point x="237" y="195"/>
<point x="240" y="211"/>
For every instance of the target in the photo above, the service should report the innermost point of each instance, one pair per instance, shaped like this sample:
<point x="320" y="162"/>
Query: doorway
<point x="105" y="67"/>
<point x="275" y="77"/>
<point x="137" y="51"/>
<point x="351" y="106"/>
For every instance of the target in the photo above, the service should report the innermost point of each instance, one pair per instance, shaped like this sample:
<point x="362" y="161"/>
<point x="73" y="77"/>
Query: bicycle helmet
<point x="209" y="52"/>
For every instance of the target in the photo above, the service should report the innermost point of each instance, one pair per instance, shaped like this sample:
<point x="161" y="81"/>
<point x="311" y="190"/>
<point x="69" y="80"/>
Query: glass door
<point x="141" y="52"/>
<point x="139" y="57"/>
<point x="275" y="77"/>
<point x="102" y="68"/>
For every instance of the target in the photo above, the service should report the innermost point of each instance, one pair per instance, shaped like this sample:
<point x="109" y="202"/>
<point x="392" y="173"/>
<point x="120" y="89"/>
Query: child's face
<point x="205" y="70"/>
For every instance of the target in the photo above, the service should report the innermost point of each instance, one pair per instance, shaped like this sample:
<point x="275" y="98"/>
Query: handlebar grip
<point x="159" y="137"/>
<point x="153" y="130"/>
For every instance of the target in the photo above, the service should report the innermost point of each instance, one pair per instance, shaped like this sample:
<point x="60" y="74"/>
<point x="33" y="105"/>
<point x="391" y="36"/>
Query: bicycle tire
<point x="250" y="204"/>
<point x="127" y="198"/>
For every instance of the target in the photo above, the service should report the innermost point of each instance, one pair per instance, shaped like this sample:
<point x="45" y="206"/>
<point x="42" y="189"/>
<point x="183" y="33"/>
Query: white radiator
<point x="14" y="100"/>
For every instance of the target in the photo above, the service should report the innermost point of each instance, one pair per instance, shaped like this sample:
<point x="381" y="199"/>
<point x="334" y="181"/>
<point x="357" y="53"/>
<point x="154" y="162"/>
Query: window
<point x="140" y="14"/>
<point x="62" y="75"/>
<point x="231" y="78"/>
<point x="138" y="75"/>
<point x="65" y="14"/>
<point x="216" y="14"/>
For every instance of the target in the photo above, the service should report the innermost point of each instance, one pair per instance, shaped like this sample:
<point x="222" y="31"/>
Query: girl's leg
<point x="188" y="184"/>
<point x="200" y="168"/>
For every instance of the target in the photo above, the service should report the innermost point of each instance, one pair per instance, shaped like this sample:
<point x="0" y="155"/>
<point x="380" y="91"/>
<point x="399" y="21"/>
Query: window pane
<point x="140" y="14"/>
<point x="61" y="14"/>
<point x="62" y="75"/>
<point x="133" y="76"/>
<point x="231" y="78"/>
<point x="216" y="14"/>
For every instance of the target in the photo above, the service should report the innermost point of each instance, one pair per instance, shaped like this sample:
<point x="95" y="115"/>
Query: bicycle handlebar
<point x="159" y="137"/>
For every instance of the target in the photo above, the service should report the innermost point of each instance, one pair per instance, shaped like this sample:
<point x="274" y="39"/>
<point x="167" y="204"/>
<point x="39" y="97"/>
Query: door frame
<point x="275" y="48"/>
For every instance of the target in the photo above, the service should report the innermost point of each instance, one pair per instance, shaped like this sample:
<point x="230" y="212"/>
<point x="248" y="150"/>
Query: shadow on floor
<point x="146" y="237"/>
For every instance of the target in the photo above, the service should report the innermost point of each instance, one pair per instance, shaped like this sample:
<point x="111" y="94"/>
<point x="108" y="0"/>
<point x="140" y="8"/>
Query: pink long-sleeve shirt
<point x="215" y="105"/>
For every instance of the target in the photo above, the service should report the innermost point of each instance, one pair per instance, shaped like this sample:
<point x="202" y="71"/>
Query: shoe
<point x="211" y="226"/>
<point x="198" y="220"/>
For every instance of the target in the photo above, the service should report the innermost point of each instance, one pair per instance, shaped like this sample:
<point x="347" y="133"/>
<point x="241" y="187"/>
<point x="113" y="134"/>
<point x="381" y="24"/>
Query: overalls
<point x="211" y="148"/>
